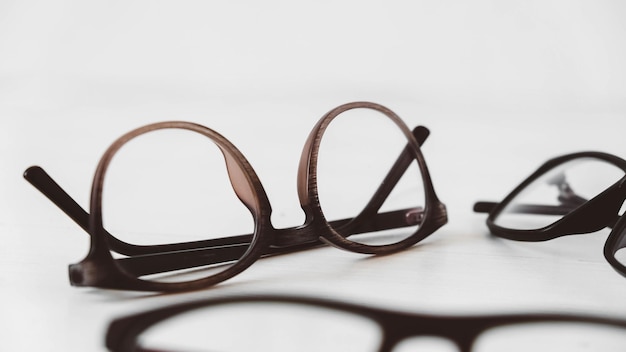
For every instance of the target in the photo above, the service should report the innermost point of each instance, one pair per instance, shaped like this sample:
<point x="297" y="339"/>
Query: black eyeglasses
<point x="275" y="323"/>
<point x="572" y="194"/>
<point x="135" y="267"/>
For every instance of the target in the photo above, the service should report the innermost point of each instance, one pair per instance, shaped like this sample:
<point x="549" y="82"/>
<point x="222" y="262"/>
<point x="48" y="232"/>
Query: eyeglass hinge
<point x="414" y="216"/>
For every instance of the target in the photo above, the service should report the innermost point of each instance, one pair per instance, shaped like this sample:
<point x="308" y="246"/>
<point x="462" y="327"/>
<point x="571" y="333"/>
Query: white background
<point x="503" y="86"/>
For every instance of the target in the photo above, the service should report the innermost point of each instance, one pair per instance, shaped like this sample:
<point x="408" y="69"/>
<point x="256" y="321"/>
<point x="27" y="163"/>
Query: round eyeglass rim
<point x="434" y="210"/>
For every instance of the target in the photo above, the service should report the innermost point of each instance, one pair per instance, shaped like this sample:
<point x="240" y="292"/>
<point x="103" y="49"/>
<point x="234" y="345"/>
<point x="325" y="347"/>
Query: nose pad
<point x="239" y="179"/>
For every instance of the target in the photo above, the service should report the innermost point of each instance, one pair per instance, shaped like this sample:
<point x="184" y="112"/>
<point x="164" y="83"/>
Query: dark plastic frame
<point x="582" y="215"/>
<point x="100" y="269"/>
<point x="122" y="334"/>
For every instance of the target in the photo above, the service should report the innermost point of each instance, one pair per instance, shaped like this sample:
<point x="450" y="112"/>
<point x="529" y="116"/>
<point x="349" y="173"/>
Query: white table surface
<point x="501" y="87"/>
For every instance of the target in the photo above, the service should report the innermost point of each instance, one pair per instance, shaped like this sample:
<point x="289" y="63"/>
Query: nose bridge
<point x="424" y="333"/>
<point x="426" y="342"/>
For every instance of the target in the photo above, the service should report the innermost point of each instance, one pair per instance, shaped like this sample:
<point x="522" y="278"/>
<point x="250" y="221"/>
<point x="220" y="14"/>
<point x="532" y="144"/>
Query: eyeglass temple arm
<point x="155" y="263"/>
<point x="40" y="179"/>
<point x="535" y="209"/>
<point x="370" y="212"/>
<point x="395" y="174"/>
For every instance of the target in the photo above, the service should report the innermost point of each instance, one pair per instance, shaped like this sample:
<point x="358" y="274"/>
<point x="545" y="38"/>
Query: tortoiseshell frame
<point x="100" y="269"/>
<point x="122" y="334"/>
<point x="592" y="215"/>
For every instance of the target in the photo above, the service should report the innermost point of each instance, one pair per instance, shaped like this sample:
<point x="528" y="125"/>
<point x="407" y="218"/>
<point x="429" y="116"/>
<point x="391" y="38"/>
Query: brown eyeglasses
<point x="133" y="267"/>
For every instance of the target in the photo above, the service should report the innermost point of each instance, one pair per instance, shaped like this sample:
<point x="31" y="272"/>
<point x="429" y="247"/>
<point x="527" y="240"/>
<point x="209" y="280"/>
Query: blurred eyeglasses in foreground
<point x="275" y="323"/>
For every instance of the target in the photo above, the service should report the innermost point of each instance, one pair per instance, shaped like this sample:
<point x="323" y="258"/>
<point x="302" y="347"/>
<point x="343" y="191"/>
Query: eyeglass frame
<point x="396" y="326"/>
<point x="100" y="269"/>
<point x="580" y="218"/>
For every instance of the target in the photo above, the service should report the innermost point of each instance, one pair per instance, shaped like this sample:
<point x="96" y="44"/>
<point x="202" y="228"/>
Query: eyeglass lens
<point x="263" y="327"/>
<point x="171" y="186"/>
<point x="357" y="151"/>
<point x="552" y="336"/>
<point x="558" y="192"/>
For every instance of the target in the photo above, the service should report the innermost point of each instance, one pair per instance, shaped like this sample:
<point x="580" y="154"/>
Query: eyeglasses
<point x="275" y="323"/>
<point x="134" y="266"/>
<point x="572" y="194"/>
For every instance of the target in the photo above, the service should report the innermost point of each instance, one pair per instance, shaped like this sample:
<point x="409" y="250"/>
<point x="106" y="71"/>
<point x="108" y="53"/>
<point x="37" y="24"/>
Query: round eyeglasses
<point x="118" y="264"/>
